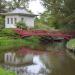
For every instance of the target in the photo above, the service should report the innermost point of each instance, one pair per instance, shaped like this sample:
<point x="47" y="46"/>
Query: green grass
<point x="6" y="43"/>
<point x="5" y="72"/>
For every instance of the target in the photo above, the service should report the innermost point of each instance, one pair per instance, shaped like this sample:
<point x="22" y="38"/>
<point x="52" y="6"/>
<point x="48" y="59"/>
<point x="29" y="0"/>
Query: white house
<point x="19" y="14"/>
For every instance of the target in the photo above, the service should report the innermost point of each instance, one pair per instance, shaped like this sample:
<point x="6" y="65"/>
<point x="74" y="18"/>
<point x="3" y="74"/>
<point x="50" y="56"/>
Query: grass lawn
<point x="5" y="72"/>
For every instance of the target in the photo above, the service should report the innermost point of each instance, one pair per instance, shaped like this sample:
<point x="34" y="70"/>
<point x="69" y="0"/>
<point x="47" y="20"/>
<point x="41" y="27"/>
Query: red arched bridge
<point x="41" y="33"/>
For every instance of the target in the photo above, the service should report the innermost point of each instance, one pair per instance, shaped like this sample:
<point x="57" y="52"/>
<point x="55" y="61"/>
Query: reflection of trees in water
<point x="47" y="61"/>
<point x="49" y="43"/>
<point x="52" y="62"/>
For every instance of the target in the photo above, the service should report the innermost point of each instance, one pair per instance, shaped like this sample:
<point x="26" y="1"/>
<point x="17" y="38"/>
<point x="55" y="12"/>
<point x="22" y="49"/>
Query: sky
<point x="36" y="7"/>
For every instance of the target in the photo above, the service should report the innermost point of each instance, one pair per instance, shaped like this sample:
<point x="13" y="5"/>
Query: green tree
<point x="42" y="22"/>
<point x="2" y="6"/>
<point x="69" y="7"/>
<point x="17" y="3"/>
<point x="1" y="22"/>
<point x="63" y="13"/>
<point x="54" y="14"/>
<point x="54" y="6"/>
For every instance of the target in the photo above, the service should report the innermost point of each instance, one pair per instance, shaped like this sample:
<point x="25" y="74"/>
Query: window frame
<point x="22" y="19"/>
<point x="15" y="20"/>
<point x="12" y="21"/>
<point x="8" y="21"/>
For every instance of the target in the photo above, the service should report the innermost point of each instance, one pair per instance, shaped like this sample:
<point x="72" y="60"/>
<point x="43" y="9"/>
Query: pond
<point x="47" y="64"/>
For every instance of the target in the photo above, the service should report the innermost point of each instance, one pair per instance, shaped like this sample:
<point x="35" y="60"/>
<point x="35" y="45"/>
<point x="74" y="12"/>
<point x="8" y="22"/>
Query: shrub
<point x="1" y="22"/>
<point x="71" y="44"/>
<point x="8" y="33"/>
<point x="21" y="25"/>
<point x="43" y="27"/>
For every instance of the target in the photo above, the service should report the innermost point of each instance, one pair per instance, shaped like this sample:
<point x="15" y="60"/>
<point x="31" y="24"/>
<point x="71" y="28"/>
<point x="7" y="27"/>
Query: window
<point x="22" y="19"/>
<point x="15" y="20"/>
<point x="7" y="20"/>
<point x="11" y="20"/>
<point x="7" y="57"/>
<point x="10" y="58"/>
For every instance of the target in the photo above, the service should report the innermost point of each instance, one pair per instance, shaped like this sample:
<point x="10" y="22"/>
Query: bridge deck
<point x="25" y="33"/>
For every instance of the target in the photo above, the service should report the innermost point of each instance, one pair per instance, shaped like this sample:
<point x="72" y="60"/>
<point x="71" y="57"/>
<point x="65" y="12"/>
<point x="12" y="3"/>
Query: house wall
<point x="11" y="25"/>
<point x="28" y="20"/>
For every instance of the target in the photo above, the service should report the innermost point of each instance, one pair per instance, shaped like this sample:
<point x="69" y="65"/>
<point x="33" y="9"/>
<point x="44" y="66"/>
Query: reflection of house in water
<point x="18" y="64"/>
<point x="11" y="58"/>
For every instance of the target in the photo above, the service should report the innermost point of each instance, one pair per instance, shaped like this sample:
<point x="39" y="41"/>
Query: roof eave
<point x="32" y="15"/>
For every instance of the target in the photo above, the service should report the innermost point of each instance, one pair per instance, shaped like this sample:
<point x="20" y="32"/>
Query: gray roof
<point x="19" y="11"/>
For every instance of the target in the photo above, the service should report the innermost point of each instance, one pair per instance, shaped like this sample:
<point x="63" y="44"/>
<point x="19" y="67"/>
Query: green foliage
<point x="61" y="14"/>
<point x="54" y="6"/>
<point x="43" y="27"/>
<point x="2" y="6"/>
<point x="17" y="3"/>
<point x="32" y="42"/>
<point x="1" y="22"/>
<point x="69" y="7"/>
<point x="5" y="72"/>
<point x="6" y="43"/>
<point x="44" y="22"/>
<point x="21" y="25"/>
<point x="71" y="44"/>
<point x="7" y="32"/>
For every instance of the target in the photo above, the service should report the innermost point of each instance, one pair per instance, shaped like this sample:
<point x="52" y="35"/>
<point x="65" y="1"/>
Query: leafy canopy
<point x="63" y="13"/>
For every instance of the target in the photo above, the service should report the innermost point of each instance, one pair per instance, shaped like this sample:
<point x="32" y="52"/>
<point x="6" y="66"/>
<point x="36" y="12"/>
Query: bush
<point x="43" y="27"/>
<point x="1" y="22"/>
<point x="8" y="33"/>
<point x="71" y="44"/>
<point x="21" y="25"/>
